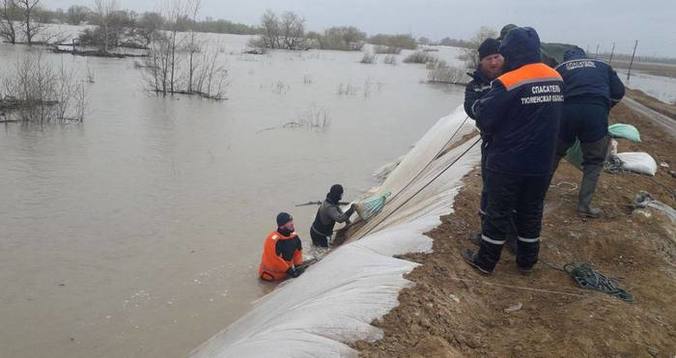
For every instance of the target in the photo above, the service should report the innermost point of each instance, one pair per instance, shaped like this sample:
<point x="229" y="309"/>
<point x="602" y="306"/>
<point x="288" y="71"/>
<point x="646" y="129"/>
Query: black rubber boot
<point x="589" y="181"/>
<point x="470" y="257"/>
<point x="594" y="155"/>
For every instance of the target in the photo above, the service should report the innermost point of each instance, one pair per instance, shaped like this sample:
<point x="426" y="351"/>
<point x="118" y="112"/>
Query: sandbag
<point x="574" y="155"/>
<point x="626" y="131"/>
<point x="617" y="130"/>
<point x="371" y="206"/>
<point x="638" y="162"/>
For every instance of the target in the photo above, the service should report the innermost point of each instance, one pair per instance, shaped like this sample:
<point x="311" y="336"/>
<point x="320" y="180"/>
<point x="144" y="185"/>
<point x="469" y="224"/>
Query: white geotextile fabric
<point x="335" y="300"/>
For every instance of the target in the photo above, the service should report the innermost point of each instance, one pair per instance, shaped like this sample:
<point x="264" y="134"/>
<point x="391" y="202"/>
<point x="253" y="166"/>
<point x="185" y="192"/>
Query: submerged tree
<point x="285" y="32"/>
<point x="9" y="13"/>
<point x="40" y="93"/>
<point x="179" y="63"/>
<point x="28" y="10"/>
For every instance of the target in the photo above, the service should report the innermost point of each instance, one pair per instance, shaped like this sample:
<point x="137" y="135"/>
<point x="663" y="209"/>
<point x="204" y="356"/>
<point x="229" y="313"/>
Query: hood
<point x="505" y="30"/>
<point x="520" y="47"/>
<point x="575" y="53"/>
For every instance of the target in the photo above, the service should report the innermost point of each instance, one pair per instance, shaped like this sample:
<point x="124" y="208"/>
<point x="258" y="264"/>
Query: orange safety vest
<point x="273" y="267"/>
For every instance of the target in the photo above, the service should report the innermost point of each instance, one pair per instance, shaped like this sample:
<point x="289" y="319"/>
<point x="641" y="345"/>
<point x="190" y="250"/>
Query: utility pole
<point x="612" y="52"/>
<point x="632" y="60"/>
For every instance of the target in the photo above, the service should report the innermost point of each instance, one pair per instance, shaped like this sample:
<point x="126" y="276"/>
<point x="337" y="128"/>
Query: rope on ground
<point x="587" y="277"/>
<point x="572" y="186"/>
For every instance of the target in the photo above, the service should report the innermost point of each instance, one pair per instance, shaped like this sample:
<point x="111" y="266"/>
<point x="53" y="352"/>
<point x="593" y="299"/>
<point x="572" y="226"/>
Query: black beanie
<point x="336" y="189"/>
<point x="283" y="218"/>
<point x="335" y="193"/>
<point x="488" y="47"/>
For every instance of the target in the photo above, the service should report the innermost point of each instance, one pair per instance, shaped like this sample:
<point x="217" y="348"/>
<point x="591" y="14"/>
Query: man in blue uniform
<point x="592" y="87"/>
<point x="521" y="114"/>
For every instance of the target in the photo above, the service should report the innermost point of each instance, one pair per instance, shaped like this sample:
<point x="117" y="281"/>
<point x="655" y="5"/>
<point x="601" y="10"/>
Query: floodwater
<point x="660" y="87"/>
<point x="138" y="232"/>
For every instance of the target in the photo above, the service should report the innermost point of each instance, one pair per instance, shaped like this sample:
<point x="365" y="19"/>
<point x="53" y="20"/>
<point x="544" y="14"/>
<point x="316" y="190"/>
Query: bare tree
<point x="292" y="30"/>
<point x="287" y="32"/>
<point x="271" y="30"/>
<point x="9" y="13"/>
<point x="193" y="46"/>
<point x="148" y="25"/>
<point x="103" y="11"/>
<point x="173" y="65"/>
<point x="28" y="9"/>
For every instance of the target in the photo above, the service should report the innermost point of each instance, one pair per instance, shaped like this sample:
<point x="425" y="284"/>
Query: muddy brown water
<point x="138" y="232"/>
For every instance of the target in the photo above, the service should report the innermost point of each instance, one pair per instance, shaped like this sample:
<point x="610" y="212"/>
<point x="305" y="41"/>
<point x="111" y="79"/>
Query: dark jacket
<point x="522" y="111"/>
<point x="328" y="214"/>
<point x="589" y="80"/>
<point x="479" y="86"/>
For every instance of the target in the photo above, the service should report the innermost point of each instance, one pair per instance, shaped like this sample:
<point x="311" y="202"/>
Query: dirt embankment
<point x="454" y="312"/>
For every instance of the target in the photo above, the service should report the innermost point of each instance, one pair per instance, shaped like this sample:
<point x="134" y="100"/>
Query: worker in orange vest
<point x="282" y="252"/>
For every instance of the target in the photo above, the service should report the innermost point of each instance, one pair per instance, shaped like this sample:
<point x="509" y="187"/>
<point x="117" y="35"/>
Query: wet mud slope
<point x="454" y="312"/>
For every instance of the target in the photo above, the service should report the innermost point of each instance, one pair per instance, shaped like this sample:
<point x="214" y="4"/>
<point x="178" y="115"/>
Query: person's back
<point x="522" y="114"/>
<point x="589" y="80"/>
<point x="592" y="87"/>
<point x="328" y="214"/>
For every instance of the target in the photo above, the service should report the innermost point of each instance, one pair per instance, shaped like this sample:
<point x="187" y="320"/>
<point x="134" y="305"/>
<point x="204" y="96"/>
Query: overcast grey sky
<point x="583" y="22"/>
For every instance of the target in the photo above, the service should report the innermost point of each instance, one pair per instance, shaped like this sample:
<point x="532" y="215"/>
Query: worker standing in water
<point x="282" y="252"/>
<point x="328" y="214"/>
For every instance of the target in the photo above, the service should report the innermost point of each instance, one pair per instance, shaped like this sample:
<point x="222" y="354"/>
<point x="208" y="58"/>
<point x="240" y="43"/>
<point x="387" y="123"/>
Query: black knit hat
<point x="336" y="189"/>
<point x="283" y="218"/>
<point x="488" y="47"/>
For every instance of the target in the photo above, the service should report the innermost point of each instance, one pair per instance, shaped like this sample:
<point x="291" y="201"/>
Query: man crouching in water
<point x="328" y="214"/>
<point x="282" y="252"/>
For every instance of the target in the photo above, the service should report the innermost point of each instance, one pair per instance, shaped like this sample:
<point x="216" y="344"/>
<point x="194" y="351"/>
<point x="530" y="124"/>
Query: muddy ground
<point x="452" y="311"/>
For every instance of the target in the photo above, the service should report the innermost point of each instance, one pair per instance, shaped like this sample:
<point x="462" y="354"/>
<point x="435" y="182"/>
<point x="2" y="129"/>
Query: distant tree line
<point x="23" y="19"/>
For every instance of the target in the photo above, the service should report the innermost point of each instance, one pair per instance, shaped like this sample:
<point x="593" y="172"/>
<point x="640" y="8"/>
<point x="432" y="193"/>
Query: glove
<point x="295" y="271"/>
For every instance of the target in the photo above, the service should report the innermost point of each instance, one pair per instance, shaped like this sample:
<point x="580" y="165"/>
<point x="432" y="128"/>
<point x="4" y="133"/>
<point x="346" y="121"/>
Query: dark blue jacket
<point x="589" y="80"/>
<point x="479" y="86"/>
<point x="522" y="111"/>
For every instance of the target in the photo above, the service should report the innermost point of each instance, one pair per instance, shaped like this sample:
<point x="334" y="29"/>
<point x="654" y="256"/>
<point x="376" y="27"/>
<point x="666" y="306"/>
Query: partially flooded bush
<point x="420" y="57"/>
<point x="390" y="60"/>
<point x="346" y="89"/>
<point x="314" y="118"/>
<point x="368" y="58"/>
<point x="37" y="92"/>
<point x="441" y="72"/>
